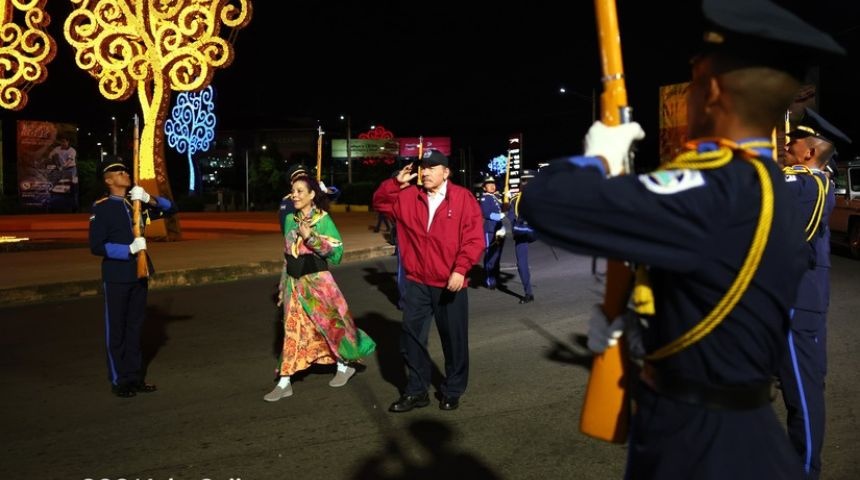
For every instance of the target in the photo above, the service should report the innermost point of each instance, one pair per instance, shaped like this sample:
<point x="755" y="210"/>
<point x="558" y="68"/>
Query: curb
<point x="165" y="279"/>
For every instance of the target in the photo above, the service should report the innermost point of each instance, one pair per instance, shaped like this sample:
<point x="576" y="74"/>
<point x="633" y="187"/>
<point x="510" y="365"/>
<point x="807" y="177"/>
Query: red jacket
<point x="454" y="242"/>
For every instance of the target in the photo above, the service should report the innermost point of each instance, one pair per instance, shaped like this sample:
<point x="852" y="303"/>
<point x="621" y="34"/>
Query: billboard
<point x="515" y="167"/>
<point x="47" y="166"/>
<point x="364" y="147"/>
<point x="409" y="145"/>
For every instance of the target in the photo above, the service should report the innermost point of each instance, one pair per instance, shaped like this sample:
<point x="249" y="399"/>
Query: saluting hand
<point x="405" y="176"/>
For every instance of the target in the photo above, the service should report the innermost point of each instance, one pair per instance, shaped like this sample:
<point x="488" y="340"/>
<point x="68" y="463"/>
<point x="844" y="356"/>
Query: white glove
<point x="500" y="232"/>
<point x="612" y="143"/>
<point x="601" y="333"/>
<point x="137" y="245"/>
<point x="138" y="193"/>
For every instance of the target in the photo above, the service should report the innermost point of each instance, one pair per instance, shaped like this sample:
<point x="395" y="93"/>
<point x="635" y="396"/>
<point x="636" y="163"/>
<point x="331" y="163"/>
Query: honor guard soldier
<point x="718" y="231"/>
<point x="111" y="237"/>
<point x="810" y="150"/>
<point x="494" y="231"/>
<point x="523" y="235"/>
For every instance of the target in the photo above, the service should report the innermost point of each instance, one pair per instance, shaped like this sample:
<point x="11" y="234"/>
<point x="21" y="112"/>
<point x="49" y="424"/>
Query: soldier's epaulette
<point x="101" y="200"/>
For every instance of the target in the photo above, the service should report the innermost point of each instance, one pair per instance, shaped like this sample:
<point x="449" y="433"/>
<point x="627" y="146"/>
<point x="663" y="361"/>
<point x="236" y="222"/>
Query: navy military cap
<point x="814" y="125"/>
<point x="111" y="164"/>
<point x="433" y="158"/>
<point x="761" y="33"/>
<point x="488" y="179"/>
<point x="297" y="170"/>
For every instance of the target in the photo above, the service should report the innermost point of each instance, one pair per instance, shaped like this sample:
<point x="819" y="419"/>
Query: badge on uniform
<point x="668" y="182"/>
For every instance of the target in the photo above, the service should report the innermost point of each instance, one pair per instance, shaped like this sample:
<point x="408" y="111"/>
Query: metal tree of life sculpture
<point x="24" y="51"/>
<point x="191" y="129"/>
<point x="153" y="47"/>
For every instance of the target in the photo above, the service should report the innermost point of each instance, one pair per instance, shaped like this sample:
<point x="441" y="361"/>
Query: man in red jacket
<point x="440" y="236"/>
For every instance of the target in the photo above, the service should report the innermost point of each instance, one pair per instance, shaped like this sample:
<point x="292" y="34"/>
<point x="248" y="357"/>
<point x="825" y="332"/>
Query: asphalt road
<point x="211" y="350"/>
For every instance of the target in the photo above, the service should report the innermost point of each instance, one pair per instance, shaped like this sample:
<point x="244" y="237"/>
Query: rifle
<point x="417" y="171"/>
<point x="605" y="411"/>
<point x="142" y="266"/>
<point x="320" y="134"/>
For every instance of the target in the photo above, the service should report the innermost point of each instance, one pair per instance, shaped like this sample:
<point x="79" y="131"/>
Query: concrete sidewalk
<point x="56" y="263"/>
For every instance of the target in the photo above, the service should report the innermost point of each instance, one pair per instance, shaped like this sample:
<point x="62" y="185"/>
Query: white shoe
<point x="341" y="378"/>
<point x="279" y="393"/>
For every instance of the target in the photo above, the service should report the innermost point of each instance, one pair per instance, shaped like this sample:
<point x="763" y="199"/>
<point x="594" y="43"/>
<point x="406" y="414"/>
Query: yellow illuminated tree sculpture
<point x="24" y="51"/>
<point x="153" y="47"/>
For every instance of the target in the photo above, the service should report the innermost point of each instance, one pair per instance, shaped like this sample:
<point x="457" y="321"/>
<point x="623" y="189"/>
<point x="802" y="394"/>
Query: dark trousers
<point x="382" y="220"/>
<point x="451" y="311"/>
<point x="492" y="255"/>
<point x="401" y="281"/>
<point x="125" y="310"/>
<point x="672" y="440"/>
<point x="802" y="379"/>
<point x="522" y="252"/>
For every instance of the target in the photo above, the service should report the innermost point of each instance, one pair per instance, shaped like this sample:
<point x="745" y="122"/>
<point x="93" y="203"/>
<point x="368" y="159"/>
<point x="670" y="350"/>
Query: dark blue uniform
<point x="285" y="208"/>
<point x="523" y="234"/>
<point x="491" y="210"/>
<point x="805" y="363"/>
<point x="694" y="229"/>
<point x="110" y="235"/>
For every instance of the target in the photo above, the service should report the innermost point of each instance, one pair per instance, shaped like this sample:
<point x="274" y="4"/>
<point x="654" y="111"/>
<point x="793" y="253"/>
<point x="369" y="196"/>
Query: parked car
<point x="845" y="219"/>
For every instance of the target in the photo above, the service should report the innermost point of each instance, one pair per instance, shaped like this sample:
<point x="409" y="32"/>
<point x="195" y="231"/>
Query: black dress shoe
<point x="449" y="403"/>
<point x="408" y="402"/>
<point x="123" y="391"/>
<point x="527" y="299"/>
<point x="144" y="387"/>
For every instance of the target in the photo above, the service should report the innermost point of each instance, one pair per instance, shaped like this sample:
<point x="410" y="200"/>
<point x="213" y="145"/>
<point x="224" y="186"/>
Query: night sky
<point x="474" y="73"/>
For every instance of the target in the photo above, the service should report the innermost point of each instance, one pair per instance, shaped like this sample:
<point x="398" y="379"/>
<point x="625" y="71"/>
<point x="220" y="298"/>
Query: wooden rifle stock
<point x="320" y="134"/>
<point x="137" y="230"/>
<point x="605" y="410"/>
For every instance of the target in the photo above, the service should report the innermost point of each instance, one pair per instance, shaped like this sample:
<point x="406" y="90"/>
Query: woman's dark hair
<point x="321" y="200"/>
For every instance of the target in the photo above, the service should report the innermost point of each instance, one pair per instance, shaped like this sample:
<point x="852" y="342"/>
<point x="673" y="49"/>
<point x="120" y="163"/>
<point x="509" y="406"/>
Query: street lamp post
<point x="348" y="151"/>
<point x="114" y="136"/>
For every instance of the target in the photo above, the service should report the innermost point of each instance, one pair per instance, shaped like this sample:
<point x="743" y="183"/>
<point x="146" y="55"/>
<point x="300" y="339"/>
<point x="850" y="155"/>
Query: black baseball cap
<point x="433" y="158"/>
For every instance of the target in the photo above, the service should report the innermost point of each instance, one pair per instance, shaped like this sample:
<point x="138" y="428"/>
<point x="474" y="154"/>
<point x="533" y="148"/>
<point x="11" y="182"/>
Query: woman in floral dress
<point x="318" y="327"/>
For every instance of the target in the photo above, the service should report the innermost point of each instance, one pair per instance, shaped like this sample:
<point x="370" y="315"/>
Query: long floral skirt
<point x="303" y="343"/>
<point x="318" y="327"/>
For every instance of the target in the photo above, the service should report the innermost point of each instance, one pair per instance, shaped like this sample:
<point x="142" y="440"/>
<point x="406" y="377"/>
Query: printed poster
<point x="47" y="166"/>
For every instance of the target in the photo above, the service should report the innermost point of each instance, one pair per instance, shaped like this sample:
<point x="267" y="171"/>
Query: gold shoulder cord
<point x="818" y="210"/>
<point x="715" y="159"/>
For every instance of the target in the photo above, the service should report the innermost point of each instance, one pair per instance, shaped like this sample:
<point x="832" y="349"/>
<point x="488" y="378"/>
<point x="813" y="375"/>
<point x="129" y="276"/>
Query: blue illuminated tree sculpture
<point x="191" y="129"/>
<point x="498" y="165"/>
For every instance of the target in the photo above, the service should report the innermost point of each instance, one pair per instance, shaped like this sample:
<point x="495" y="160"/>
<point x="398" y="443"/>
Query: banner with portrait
<point x="47" y="166"/>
